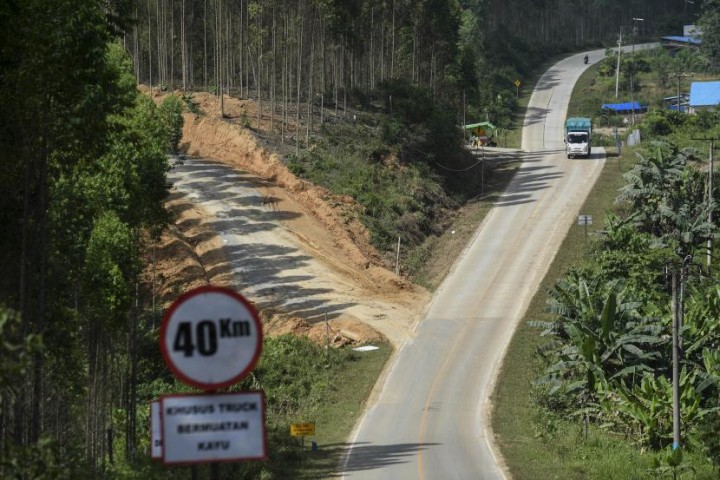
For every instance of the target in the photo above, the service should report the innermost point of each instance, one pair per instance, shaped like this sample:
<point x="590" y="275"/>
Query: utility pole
<point x="678" y="312"/>
<point x="711" y="189"/>
<point x="675" y="363"/>
<point x="678" y="76"/>
<point x="632" y="70"/>
<point x="617" y="68"/>
<point x="711" y="174"/>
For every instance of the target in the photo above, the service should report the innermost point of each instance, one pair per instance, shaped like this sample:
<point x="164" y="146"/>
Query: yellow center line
<point x="421" y="473"/>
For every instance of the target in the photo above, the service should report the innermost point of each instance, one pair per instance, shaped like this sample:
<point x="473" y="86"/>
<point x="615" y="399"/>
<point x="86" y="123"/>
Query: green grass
<point x="430" y="264"/>
<point x="539" y="445"/>
<point x="339" y="412"/>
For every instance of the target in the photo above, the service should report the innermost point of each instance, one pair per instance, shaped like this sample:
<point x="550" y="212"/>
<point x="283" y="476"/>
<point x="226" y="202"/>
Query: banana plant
<point x="645" y="409"/>
<point x="598" y="337"/>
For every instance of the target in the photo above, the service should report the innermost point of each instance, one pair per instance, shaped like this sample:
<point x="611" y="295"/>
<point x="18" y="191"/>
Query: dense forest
<point x="84" y="158"/>
<point x="319" y="53"/>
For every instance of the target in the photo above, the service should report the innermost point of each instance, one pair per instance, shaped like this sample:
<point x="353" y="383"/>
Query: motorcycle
<point x="586" y="59"/>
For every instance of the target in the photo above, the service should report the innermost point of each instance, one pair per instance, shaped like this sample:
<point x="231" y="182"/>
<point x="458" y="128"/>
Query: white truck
<point x="578" y="133"/>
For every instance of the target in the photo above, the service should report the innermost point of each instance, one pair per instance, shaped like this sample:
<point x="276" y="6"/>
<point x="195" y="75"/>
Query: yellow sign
<point x="517" y="83"/>
<point x="302" y="429"/>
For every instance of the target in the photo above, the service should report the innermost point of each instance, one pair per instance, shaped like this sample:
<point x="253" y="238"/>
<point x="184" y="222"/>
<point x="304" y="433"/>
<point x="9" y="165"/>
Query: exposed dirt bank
<point x="305" y="217"/>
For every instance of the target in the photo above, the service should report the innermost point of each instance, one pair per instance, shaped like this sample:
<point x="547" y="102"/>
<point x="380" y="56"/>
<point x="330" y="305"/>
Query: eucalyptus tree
<point x="84" y="163"/>
<point x="709" y="23"/>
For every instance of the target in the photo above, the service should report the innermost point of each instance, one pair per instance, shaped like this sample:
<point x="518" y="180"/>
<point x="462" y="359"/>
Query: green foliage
<point x="613" y="367"/>
<point x="656" y="124"/>
<point x="383" y="167"/>
<point x="609" y="355"/>
<point x="109" y="267"/>
<point x="666" y="198"/>
<point x="86" y="159"/>
<point x="707" y="436"/>
<point x="709" y="23"/>
<point x="16" y="352"/>
<point x="600" y="338"/>
<point x="671" y="466"/>
<point x="295" y="375"/>
<point x="170" y="113"/>
<point x="44" y="460"/>
<point x="191" y="106"/>
<point x="302" y="382"/>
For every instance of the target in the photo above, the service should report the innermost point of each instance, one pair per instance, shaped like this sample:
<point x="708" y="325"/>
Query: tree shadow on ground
<point x="325" y="462"/>
<point x="273" y="274"/>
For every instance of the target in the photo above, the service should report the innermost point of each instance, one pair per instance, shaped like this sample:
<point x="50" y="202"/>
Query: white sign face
<point x="213" y="427"/>
<point x="211" y="337"/>
<point x="155" y="431"/>
<point x="584" y="219"/>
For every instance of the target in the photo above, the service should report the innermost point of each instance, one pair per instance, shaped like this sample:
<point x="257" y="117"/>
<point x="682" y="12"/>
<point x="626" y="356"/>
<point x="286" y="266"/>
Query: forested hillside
<point x="315" y="53"/>
<point x="84" y="162"/>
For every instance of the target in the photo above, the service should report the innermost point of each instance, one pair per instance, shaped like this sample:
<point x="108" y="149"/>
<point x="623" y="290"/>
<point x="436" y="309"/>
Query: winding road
<point x="430" y="419"/>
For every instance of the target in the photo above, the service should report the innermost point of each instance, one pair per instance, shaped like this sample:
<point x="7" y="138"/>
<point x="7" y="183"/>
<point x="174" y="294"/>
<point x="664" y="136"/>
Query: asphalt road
<point x="430" y="419"/>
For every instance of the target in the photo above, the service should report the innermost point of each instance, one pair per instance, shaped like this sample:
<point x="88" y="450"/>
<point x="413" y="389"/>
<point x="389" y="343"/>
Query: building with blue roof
<point x="691" y="38"/>
<point x="680" y="41"/>
<point x="704" y="96"/>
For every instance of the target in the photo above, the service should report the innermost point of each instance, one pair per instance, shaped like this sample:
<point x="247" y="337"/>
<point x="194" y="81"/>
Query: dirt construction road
<point x="261" y="242"/>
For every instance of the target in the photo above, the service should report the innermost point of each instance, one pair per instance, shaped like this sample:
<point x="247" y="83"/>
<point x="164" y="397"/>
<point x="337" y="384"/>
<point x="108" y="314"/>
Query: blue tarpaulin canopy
<point x="704" y="94"/>
<point x="625" y="107"/>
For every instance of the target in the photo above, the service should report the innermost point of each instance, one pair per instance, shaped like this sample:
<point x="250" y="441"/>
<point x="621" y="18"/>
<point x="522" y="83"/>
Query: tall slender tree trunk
<point x="183" y="49"/>
<point x="273" y="74"/>
<point x="205" y="53"/>
<point x="308" y="126"/>
<point x="392" y="49"/>
<point x="299" y="75"/>
<point x="149" y="50"/>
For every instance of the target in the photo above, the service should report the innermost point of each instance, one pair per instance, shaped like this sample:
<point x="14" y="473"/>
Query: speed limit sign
<point x="211" y="337"/>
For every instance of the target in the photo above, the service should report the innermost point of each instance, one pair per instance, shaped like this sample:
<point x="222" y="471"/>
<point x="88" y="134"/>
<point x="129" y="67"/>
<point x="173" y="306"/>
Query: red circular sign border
<point x="182" y="299"/>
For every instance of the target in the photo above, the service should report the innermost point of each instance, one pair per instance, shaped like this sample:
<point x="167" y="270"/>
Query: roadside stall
<point x="481" y="134"/>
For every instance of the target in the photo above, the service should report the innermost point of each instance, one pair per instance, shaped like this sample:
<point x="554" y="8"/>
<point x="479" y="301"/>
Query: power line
<point x="461" y="170"/>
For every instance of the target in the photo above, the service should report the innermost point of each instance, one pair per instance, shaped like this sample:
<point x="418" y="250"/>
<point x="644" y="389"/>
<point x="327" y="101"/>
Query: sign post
<point x="585" y="220"/>
<point x="156" y="450"/>
<point x="517" y="84"/>
<point x="211" y="338"/>
<point x="302" y="430"/>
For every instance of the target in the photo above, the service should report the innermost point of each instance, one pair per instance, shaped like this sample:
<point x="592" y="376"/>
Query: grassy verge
<point x="437" y="255"/>
<point x="340" y="411"/>
<point x="539" y="445"/>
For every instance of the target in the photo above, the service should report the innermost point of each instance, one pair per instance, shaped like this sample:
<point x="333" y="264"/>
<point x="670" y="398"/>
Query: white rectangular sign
<point x="584" y="219"/>
<point x="155" y="430"/>
<point x="214" y="427"/>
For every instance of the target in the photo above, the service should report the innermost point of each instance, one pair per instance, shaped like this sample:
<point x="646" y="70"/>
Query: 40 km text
<point x="204" y="339"/>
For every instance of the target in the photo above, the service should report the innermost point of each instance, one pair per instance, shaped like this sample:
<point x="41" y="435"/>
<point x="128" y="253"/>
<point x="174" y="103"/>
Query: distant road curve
<point x="430" y="418"/>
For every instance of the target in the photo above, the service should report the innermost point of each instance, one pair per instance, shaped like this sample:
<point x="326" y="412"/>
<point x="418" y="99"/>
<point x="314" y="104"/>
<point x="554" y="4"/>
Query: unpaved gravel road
<point x="280" y="258"/>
